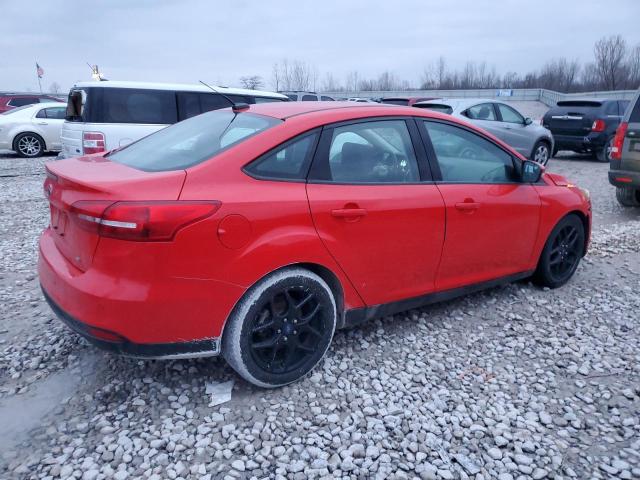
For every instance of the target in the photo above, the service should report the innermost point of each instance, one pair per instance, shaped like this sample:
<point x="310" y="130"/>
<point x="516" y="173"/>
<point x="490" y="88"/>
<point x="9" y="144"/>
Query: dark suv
<point x="9" y="101"/>
<point x="585" y="125"/>
<point x="624" y="170"/>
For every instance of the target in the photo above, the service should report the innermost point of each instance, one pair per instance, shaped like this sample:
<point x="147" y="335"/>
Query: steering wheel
<point x="468" y="152"/>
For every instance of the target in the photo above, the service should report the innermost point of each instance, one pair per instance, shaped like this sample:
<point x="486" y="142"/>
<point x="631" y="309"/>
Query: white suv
<point x="102" y="116"/>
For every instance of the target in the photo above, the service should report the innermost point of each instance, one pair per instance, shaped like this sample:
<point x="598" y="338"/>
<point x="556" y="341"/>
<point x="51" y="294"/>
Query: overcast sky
<point x="188" y="40"/>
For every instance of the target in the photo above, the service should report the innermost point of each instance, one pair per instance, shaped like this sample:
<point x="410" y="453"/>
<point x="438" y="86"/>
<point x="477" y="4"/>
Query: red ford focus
<point x="255" y="233"/>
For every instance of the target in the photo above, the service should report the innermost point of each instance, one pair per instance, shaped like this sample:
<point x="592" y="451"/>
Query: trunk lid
<point x="572" y="117"/>
<point x="93" y="178"/>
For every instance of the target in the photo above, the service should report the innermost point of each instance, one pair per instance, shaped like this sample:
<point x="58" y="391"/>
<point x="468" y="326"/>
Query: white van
<point x="105" y="115"/>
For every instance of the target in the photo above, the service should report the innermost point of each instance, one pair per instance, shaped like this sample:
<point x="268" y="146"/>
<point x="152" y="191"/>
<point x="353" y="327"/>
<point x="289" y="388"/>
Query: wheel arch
<point x="587" y="228"/>
<point x="542" y="139"/>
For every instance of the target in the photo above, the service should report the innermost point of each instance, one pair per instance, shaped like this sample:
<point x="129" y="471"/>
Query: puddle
<point x="19" y="414"/>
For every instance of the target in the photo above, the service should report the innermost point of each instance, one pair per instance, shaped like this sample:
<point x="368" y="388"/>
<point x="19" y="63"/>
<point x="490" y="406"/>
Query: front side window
<point x="309" y="98"/>
<point x="192" y="141"/>
<point x="484" y="111"/>
<point x="324" y="98"/>
<point x="290" y="161"/>
<point x="509" y="115"/>
<point x="466" y="157"/>
<point x="372" y="152"/>
<point x="128" y="105"/>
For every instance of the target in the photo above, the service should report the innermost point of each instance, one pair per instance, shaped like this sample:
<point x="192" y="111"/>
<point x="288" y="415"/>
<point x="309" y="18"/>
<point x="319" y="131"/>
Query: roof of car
<point x="284" y="110"/>
<point x="459" y="103"/>
<point x="178" y="86"/>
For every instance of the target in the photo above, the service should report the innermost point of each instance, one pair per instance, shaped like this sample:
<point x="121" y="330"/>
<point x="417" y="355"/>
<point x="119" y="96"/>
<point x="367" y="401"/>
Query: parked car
<point x="33" y="129"/>
<point x="9" y="101"/>
<point x="105" y="115"/>
<point x="361" y="100"/>
<point x="585" y="125"/>
<point x="624" y="169"/>
<point x="301" y="96"/>
<point x="407" y="101"/>
<point x="255" y="233"/>
<point x="502" y="120"/>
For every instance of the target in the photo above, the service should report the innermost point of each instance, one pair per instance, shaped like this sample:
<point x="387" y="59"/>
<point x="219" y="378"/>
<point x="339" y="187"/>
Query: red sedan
<point x="256" y="232"/>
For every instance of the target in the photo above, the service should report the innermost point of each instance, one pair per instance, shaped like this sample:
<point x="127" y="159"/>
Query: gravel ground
<point x="513" y="383"/>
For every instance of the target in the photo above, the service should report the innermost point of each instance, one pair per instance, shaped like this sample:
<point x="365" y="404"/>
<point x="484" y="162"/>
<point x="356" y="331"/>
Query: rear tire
<point x="28" y="145"/>
<point x="561" y="253"/>
<point x="541" y="153"/>
<point x="628" y="196"/>
<point x="603" y="155"/>
<point x="281" y="328"/>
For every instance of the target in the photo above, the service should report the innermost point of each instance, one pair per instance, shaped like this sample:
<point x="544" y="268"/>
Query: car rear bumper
<point x="624" y="178"/>
<point x="592" y="141"/>
<point x="151" y="317"/>
<point x="112" y="342"/>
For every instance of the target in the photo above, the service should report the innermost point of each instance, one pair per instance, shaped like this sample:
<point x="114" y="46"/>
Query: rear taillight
<point x="618" y="141"/>
<point x="92" y="142"/>
<point x="598" y="125"/>
<point x="150" y="221"/>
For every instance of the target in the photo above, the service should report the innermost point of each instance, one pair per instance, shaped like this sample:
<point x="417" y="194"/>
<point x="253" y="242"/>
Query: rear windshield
<point x="192" y="141"/>
<point x="435" y="107"/>
<point x="396" y="101"/>
<point x="579" y="103"/>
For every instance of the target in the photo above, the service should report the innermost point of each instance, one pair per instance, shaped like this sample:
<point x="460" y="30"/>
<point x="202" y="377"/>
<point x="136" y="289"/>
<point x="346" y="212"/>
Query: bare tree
<point x="54" y="87"/>
<point x="610" y="55"/>
<point x="330" y="84"/>
<point x="352" y="82"/>
<point x="275" y="77"/>
<point x="633" y="67"/>
<point x="252" y="82"/>
<point x="295" y="75"/>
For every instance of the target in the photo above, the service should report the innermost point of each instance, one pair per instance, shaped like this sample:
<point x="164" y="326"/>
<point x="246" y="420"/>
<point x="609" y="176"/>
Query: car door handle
<point x="348" y="212"/>
<point x="467" y="206"/>
<point x="43" y="123"/>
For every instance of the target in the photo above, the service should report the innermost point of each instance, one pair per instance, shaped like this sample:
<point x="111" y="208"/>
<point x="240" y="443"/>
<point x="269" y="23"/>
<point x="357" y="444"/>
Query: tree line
<point x="615" y="66"/>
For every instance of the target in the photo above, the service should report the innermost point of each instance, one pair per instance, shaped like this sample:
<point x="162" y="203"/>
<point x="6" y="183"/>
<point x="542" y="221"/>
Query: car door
<point x="492" y="218"/>
<point x="49" y="122"/>
<point x="513" y="130"/>
<point x="376" y="209"/>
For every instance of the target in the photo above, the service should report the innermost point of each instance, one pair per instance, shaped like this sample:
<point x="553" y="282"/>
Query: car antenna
<point x="236" y="107"/>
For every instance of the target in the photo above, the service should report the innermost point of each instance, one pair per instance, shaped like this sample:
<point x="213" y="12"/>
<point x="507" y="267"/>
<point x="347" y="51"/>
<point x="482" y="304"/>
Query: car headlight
<point x="585" y="193"/>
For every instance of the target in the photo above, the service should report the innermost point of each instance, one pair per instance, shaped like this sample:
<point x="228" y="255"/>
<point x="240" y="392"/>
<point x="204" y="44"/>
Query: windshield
<point x="192" y="141"/>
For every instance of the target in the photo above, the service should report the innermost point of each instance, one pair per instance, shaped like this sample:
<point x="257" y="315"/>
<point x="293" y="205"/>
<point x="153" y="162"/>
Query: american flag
<point x="39" y="70"/>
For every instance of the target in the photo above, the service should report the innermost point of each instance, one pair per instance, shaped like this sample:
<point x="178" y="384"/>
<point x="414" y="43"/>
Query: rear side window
<point x="191" y="104"/>
<point x="326" y="99"/>
<point x="289" y="162"/>
<point x="128" y="105"/>
<point x="22" y="101"/>
<point x="193" y="141"/>
<point x="56" y="113"/>
<point x="484" y="111"/>
<point x="292" y="96"/>
<point x="309" y="98"/>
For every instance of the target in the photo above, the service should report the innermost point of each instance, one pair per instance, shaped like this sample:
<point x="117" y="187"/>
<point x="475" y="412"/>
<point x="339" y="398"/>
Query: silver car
<point x="502" y="120"/>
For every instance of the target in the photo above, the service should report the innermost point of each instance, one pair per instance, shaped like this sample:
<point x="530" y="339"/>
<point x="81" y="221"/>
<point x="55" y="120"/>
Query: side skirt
<point x="358" y="316"/>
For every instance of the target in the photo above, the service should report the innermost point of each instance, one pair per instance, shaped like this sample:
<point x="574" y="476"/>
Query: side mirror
<point x="531" y="171"/>
<point x="528" y="121"/>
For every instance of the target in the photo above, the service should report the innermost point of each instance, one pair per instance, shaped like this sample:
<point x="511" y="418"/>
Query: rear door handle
<point x="43" y="123"/>
<point x="467" y="206"/>
<point x="348" y="212"/>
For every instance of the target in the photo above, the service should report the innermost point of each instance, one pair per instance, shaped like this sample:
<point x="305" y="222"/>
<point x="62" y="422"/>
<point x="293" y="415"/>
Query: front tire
<point x="541" y="153"/>
<point x="628" y="196"/>
<point x="281" y="328"/>
<point x="561" y="253"/>
<point x="28" y="145"/>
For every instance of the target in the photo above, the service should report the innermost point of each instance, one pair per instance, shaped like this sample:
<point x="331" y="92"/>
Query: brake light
<point x="148" y="221"/>
<point x="618" y="141"/>
<point x="92" y="142"/>
<point x="598" y="126"/>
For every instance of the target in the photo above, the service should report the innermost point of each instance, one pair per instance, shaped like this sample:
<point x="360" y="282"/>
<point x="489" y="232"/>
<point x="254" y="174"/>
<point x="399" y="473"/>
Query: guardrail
<point x="548" y="97"/>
